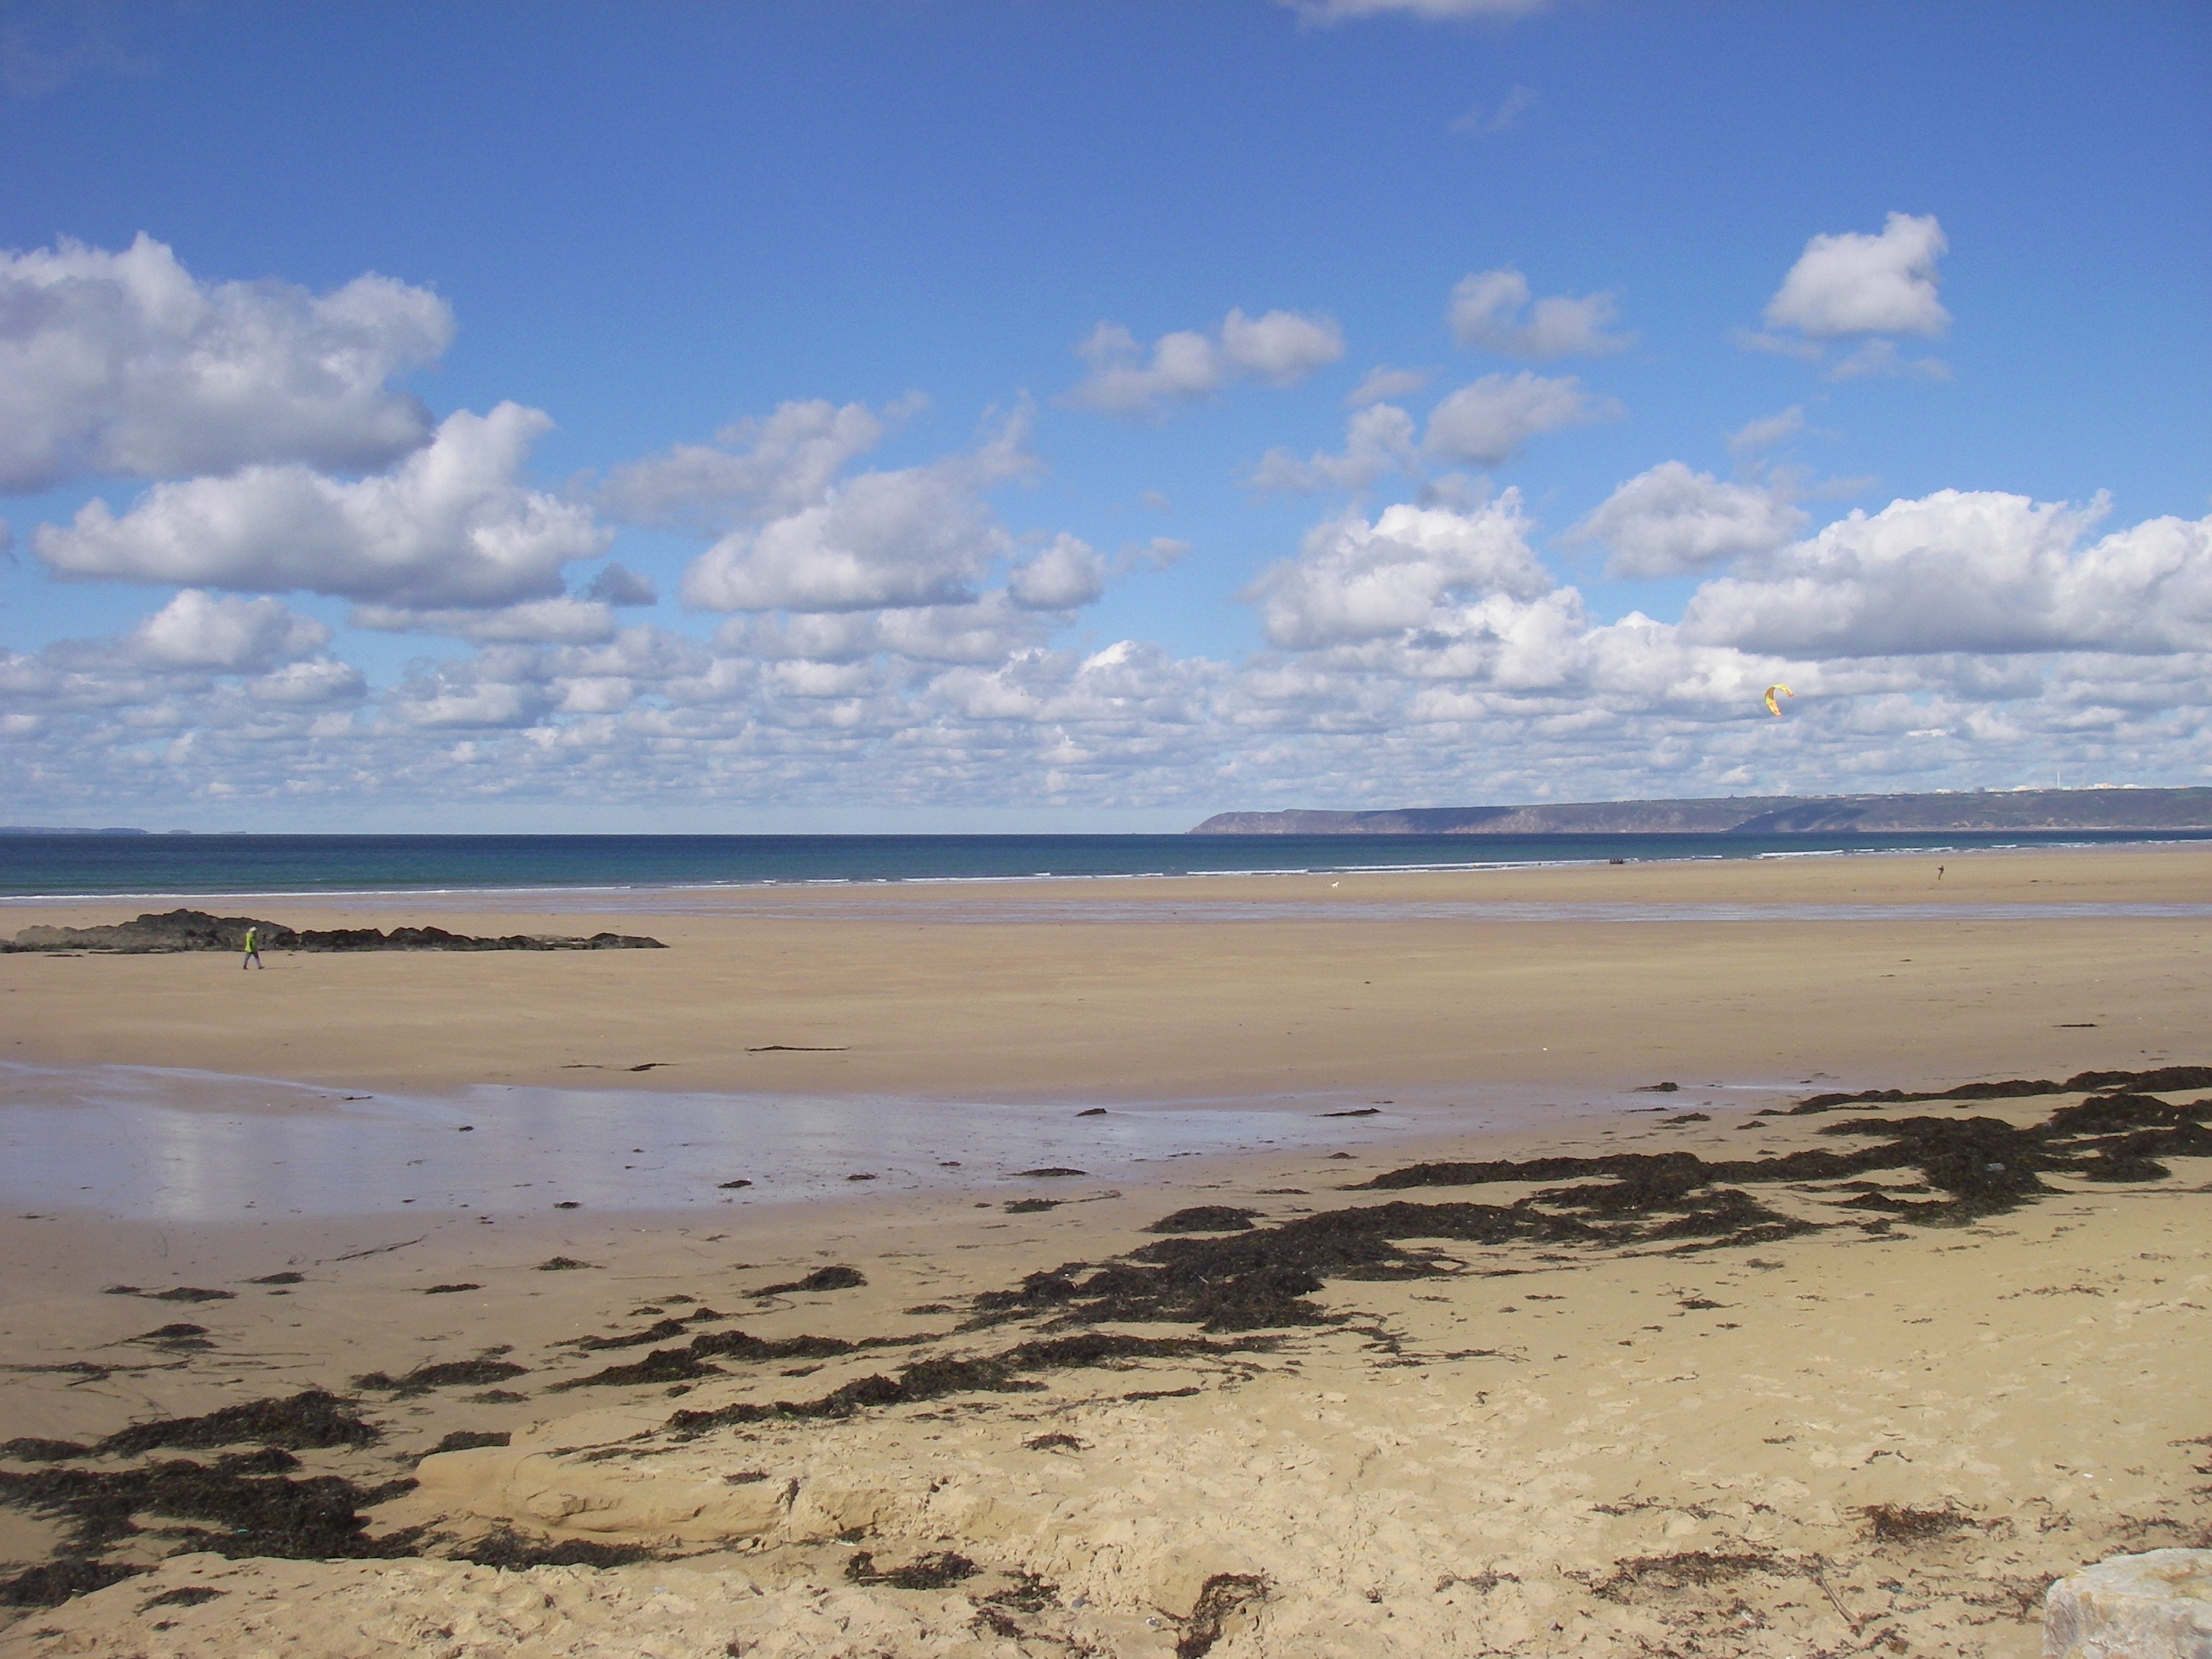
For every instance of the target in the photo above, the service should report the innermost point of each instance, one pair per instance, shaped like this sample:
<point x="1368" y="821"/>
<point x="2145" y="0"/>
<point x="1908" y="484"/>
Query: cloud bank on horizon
<point x="832" y="606"/>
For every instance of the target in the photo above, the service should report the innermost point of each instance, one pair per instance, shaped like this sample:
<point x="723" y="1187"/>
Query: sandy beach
<point x="1534" y="1358"/>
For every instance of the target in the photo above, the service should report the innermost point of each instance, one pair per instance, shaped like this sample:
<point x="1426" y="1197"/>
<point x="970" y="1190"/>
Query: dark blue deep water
<point x="63" y="865"/>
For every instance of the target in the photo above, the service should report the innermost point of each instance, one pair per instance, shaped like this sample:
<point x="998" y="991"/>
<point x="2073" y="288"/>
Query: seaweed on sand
<point x="513" y="1552"/>
<point x="2161" y="1077"/>
<point x="448" y="1373"/>
<point x="686" y="1364"/>
<point x="309" y="1419"/>
<point x="184" y="1595"/>
<point x="1262" y="1277"/>
<point x="1205" y="1218"/>
<point x="179" y="1293"/>
<point x="939" y="1570"/>
<point x="1980" y="1166"/>
<point x="241" y="1505"/>
<point x="50" y="1584"/>
<point x="1691" y="1568"/>
<point x="1007" y="1372"/>
<point x="1894" y="1524"/>
<point x="1259" y="1280"/>
<point x="32" y="1449"/>
<point x="1219" y="1598"/>
<point x="822" y="1278"/>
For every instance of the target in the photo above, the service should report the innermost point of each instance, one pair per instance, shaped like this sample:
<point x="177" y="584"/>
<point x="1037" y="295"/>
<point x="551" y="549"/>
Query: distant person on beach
<point x="252" y="950"/>
<point x="1939" y="872"/>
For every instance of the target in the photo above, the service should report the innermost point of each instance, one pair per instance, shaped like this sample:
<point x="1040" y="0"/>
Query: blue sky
<point x="1857" y="347"/>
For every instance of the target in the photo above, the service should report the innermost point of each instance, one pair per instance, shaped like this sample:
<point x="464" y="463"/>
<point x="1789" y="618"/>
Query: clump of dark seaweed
<point x="822" y="1278"/>
<point x="2162" y="1076"/>
<point x="178" y="1337"/>
<point x="939" y="1570"/>
<point x="1894" y="1523"/>
<point x="1979" y="1166"/>
<point x="1205" y="1218"/>
<point x="1259" y="1279"/>
<point x="1026" y="1593"/>
<point x="32" y="1449"/>
<point x="659" y="1331"/>
<point x="512" y="1551"/>
<point x="470" y="1440"/>
<point x="1221" y="1596"/>
<point x="177" y="1293"/>
<point x="310" y="1420"/>
<point x="686" y="1364"/>
<point x="239" y="1506"/>
<point x="447" y="1374"/>
<point x="52" y="1582"/>
<point x="1006" y="1372"/>
<point x="184" y="1595"/>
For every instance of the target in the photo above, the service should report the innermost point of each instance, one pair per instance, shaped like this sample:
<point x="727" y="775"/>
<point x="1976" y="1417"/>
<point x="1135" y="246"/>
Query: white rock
<point x="2154" y="1606"/>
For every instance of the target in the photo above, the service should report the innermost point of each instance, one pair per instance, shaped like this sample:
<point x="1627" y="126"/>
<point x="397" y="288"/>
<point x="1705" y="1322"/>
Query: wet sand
<point x="1882" y="1434"/>
<point x="899" y="991"/>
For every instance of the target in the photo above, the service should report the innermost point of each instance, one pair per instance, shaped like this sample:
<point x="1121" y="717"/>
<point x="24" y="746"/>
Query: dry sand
<point x="1880" y="1435"/>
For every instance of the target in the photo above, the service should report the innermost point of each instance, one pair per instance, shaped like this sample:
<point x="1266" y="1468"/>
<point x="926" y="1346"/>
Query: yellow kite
<point x="1772" y="707"/>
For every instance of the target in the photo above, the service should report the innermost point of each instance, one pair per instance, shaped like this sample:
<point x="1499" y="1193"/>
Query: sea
<point x="40" y="865"/>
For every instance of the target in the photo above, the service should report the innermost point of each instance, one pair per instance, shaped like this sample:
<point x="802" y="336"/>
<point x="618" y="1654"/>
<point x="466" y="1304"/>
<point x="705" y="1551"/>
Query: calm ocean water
<point x="61" y="866"/>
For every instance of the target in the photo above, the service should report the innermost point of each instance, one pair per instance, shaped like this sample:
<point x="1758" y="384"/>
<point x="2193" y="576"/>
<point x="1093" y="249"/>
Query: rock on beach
<point x="2154" y="1605"/>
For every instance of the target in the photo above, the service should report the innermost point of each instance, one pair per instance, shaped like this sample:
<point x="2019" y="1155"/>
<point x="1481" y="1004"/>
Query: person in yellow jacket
<point x="253" y="948"/>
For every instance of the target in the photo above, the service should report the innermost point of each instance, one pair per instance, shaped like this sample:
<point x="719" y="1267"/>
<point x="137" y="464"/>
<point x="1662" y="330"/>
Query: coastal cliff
<point x="2018" y="809"/>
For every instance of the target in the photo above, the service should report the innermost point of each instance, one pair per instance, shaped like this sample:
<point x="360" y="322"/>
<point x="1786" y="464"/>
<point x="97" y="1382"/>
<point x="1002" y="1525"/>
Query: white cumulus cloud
<point x="450" y="526"/>
<point x="1670" y="521"/>
<point x="566" y="620"/>
<point x="123" y="364"/>
<point x="1378" y="440"/>
<point x="1487" y="421"/>
<point x="196" y="629"/>
<point x="758" y="467"/>
<point x="1355" y="580"/>
<point x="1971" y="572"/>
<point x="1064" y="576"/>
<point x="1486" y="311"/>
<point x="1855" y="283"/>
<point x="313" y="683"/>
<point x="920" y="536"/>
<point x="1280" y="348"/>
<point x="1384" y="383"/>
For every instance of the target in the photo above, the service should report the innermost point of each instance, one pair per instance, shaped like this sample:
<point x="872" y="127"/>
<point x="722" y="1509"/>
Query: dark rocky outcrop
<point x="197" y="930"/>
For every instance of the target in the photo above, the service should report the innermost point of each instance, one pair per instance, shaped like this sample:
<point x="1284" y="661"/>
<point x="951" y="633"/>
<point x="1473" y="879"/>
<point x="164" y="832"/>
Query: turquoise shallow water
<point x="61" y="866"/>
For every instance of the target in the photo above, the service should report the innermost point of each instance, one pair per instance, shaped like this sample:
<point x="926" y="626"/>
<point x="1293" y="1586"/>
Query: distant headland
<point x="1757" y="815"/>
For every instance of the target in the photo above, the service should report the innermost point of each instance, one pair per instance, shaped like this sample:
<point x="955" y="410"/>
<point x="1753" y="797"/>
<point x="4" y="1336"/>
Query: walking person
<point x="252" y="950"/>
